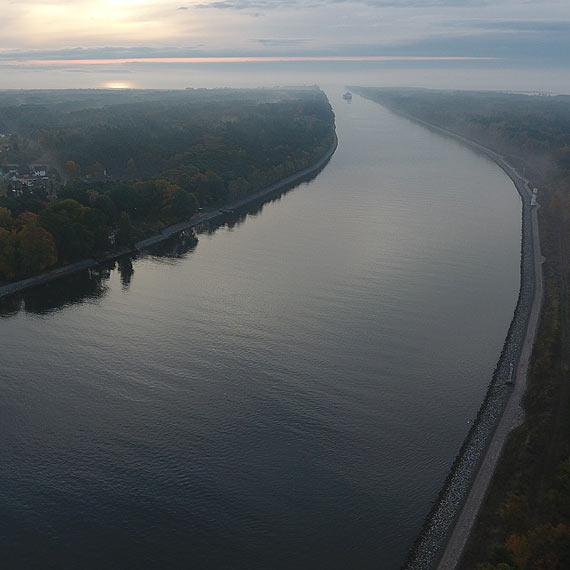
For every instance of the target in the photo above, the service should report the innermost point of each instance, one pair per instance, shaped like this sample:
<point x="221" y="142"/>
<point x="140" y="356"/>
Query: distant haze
<point x="153" y="76"/>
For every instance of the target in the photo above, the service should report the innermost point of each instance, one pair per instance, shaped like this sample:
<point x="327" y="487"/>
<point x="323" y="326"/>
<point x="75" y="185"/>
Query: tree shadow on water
<point x="175" y="248"/>
<point x="86" y="286"/>
<point x="91" y="285"/>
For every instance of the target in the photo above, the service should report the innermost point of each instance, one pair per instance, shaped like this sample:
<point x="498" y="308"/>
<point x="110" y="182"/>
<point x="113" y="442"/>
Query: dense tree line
<point x="125" y="165"/>
<point x="525" y="521"/>
<point x="532" y="130"/>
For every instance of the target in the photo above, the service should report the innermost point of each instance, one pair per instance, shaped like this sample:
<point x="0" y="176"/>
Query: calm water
<point x="289" y="393"/>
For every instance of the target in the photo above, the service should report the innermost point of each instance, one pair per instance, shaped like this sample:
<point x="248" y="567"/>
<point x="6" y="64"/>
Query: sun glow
<point x="117" y="85"/>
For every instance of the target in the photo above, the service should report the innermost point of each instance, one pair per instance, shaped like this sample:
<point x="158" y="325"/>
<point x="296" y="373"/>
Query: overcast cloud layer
<point x="516" y="29"/>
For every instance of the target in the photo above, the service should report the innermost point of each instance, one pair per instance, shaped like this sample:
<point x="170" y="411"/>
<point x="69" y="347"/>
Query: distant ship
<point x="347" y="96"/>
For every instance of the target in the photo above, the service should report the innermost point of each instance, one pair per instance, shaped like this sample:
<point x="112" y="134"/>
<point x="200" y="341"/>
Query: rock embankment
<point x="439" y="524"/>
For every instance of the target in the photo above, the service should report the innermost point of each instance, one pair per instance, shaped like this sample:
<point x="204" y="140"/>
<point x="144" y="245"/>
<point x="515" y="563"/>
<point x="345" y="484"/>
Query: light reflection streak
<point x="245" y="59"/>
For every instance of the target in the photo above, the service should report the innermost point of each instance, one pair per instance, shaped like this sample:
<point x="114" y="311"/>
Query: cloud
<point x="280" y="4"/>
<point x="106" y="29"/>
<point x="104" y="70"/>
<point x="282" y="42"/>
<point x="533" y="26"/>
<point x="106" y="52"/>
<point x="247" y="4"/>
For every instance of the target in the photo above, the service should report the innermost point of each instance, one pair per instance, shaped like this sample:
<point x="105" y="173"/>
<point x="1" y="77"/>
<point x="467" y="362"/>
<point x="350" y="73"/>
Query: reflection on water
<point x="289" y="393"/>
<point x="174" y="249"/>
<point x="90" y="284"/>
<point x="126" y="270"/>
<point x="86" y="286"/>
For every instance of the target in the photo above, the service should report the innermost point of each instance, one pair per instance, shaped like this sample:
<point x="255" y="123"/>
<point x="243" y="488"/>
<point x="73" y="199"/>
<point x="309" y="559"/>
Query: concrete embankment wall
<point x="18" y="286"/>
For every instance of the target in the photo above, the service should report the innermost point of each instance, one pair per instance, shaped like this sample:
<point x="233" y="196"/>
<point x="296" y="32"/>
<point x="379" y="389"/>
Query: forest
<point x="525" y="521"/>
<point x="532" y="130"/>
<point x="117" y="166"/>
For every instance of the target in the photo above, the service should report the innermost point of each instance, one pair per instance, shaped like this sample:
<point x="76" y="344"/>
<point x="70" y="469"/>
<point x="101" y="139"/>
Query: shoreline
<point x="90" y="263"/>
<point x="448" y="525"/>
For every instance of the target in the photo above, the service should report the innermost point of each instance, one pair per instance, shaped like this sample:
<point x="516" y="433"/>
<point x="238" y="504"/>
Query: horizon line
<point x="240" y="59"/>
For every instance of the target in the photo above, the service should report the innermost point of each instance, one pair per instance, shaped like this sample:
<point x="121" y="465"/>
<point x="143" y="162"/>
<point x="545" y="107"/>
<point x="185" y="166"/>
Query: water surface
<point x="289" y="393"/>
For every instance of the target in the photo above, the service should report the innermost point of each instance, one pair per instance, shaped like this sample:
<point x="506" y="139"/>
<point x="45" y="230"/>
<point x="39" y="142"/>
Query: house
<point x="39" y="170"/>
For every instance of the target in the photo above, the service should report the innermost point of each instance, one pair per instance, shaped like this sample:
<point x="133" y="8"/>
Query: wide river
<point x="289" y="393"/>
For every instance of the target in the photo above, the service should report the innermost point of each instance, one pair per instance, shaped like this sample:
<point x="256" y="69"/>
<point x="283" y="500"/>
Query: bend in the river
<point x="289" y="391"/>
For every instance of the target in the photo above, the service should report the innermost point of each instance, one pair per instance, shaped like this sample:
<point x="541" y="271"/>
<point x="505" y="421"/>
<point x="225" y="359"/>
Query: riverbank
<point x="279" y="336"/>
<point x="167" y="233"/>
<point x="448" y="525"/>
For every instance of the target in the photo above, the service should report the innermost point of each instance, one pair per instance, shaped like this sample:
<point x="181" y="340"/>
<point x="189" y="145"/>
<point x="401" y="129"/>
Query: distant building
<point x="39" y="170"/>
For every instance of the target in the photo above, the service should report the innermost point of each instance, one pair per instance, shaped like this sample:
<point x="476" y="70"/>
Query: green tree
<point x="126" y="230"/>
<point x="107" y="206"/>
<point x="97" y="171"/>
<point x="131" y="168"/>
<point x="66" y="221"/>
<point x="184" y="204"/>
<point x="515" y="512"/>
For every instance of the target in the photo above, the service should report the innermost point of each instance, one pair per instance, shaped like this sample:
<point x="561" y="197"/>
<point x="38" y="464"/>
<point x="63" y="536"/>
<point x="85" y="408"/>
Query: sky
<point x="125" y="36"/>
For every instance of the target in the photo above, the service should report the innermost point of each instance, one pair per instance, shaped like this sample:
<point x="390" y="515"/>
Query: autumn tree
<point x="6" y="219"/>
<point x="8" y="266"/>
<point x="35" y="249"/>
<point x="26" y="219"/>
<point x="72" y="170"/>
